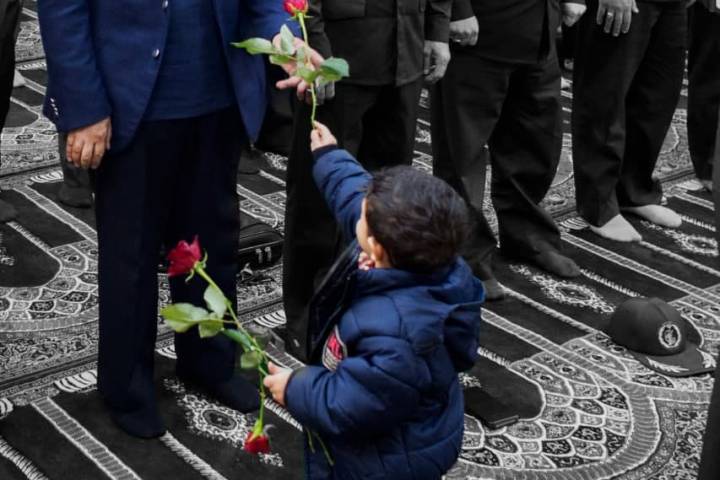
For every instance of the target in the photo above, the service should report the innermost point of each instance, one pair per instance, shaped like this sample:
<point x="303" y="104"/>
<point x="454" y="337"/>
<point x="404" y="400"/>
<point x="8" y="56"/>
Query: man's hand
<point x="321" y="136"/>
<point x="302" y="88"/>
<point x="571" y="13"/>
<point x="277" y="382"/>
<point x="465" y="32"/>
<point x="86" y="146"/>
<point x="616" y="15"/>
<point x="437" y="57"/>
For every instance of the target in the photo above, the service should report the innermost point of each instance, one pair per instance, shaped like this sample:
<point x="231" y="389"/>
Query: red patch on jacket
<point x="335" y="350"/>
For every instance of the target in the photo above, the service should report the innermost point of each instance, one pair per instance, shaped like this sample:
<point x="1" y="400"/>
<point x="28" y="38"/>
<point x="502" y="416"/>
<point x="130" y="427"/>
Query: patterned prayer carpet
<point x="588" y="409"/>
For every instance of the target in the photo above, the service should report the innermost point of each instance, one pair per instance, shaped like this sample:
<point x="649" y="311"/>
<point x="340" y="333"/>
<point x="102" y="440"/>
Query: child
<point x="396" y="319"/>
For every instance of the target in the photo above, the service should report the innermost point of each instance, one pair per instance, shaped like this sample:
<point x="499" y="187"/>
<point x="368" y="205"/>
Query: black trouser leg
<point x="466" y="105"/>
<point x="311" y="235"/>
<point x="703" y="88"/>
<point x="604" y="69"/>
<point x="650" y="106"/>
<point x="175" y="180"/>
<point x="9" y="19"/>
<point x="525" y="151"/>
<point x="389" y="127"/>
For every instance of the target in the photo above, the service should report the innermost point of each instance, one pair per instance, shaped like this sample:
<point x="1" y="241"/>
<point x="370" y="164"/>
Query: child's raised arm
<point x="340" y="178"/>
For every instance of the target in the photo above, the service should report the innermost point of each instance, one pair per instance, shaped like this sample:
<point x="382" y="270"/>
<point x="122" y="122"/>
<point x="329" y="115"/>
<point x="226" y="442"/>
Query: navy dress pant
<point x="177" y="179"/>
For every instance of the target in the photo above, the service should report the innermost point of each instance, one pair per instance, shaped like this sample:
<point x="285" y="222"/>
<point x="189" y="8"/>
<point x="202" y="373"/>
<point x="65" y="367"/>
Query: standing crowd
<point x="381" y="289"/>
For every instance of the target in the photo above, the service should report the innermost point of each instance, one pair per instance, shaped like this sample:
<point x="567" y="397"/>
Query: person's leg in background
<point x="525" y="150"/>
<point x="602" y="77"/>
<point x="650" y="106"/>
<point x="75" y="190"/>
<point x="703" y="89"/>
<point x="465" y="106"/>
<point x="9" y="22"/>
<point x="312" y="239"/>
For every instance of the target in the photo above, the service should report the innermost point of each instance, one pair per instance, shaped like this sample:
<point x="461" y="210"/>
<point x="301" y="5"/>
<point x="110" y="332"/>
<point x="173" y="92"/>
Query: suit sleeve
<point x="368" y="394"/>
<point x="461" y="9"/>
<point x="269" y="17"/>
<point x="437" y="20"/>
<point x="75" y="86"/>
<point x="316" y="29"/>
<point x="343" y="182"/>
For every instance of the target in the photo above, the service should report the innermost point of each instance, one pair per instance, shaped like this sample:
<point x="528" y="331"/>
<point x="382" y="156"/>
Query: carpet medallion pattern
<point x="588" y="409"/>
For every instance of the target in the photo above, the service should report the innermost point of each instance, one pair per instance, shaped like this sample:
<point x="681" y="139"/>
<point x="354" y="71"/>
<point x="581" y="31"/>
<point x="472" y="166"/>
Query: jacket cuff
<point x="462" y="9"/>
<point x="437" y="28"/>
<point x="317" y="154"/>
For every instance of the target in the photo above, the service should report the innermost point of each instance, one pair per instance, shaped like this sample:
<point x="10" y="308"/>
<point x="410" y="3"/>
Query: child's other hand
<point x="321" y="136"/>
<point x="277" y="382"/>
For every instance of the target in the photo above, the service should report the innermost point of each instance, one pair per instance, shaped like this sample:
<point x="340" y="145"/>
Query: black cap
<point x="657" y="335"/>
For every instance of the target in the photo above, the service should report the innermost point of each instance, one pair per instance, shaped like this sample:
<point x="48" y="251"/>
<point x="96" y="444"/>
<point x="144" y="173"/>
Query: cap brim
<point x="691" y="361"/>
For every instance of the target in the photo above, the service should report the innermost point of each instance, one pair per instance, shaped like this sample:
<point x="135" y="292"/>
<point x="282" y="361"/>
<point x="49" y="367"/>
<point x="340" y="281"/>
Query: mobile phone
<point x="490" y="410"/>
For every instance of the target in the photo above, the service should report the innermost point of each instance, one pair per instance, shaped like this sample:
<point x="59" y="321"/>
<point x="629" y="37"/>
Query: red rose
<point x="293" y="7"/>
<point x="183" y="257"/>
<point x="257" y="443"/>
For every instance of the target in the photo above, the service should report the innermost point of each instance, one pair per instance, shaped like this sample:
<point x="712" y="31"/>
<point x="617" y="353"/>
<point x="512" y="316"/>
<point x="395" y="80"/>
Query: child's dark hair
<point x="419" y="219"/>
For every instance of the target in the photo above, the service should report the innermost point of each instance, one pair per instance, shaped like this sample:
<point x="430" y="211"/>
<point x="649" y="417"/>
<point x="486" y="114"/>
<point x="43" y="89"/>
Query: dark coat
<point x="381" y="40"/>
<point x="103" y="58"/>
<point x="516" y="31"/>
<point x="393" y="406"/>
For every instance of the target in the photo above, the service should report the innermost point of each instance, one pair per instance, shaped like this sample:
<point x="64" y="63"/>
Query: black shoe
<point x="236" y="393"/>
<point x="75" y="197"/>
<point x="145" y="423"/>
<point x="8" y="213"/>
<point x="556" y="263"/>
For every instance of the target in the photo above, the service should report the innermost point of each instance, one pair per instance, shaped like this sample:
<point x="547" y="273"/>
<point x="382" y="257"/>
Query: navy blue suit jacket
<point x="103" y="57"/>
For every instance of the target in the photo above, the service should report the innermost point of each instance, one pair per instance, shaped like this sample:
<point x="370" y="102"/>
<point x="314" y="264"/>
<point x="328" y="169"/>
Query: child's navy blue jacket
<point x="393" y="407"/>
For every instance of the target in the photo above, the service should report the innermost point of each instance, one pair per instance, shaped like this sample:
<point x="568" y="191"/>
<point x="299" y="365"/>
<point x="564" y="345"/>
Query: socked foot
<point x="144" y="423"/>
<point x="7" y="212"/>
<point x="618" y="229"/>
<point x="556" y="263"/>
<point x="707" y="184"/>
<point x="75" y="197"/>
<point x="657" y="214"/>
<point x="493" y="290"/>
<point x="236" y="393"/>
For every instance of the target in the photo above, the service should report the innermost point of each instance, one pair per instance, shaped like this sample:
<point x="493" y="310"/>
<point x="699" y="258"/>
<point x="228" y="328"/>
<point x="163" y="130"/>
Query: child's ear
<point x="377" y="252"/>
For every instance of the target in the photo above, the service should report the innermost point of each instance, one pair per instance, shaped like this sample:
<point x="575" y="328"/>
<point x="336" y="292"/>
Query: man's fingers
<point x="627" y="21"/>
<point x="108" y="141"/>
<point x="609" y="20"/>
<point x="76" y="151"/>
<point x="426" y="61"/>
<point x="87" y="155"/>
<point x="635" y="8"/>
<point x="290" y="82"/>
<point x="98" y="154"/>
<point x="619" y="23"/>
<point x="601" y="12"/>
<point x="272" y="368"/>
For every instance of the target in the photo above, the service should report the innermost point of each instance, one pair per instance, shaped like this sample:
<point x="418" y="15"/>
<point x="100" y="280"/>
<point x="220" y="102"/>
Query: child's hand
<point x="276" y="382"/>
<point x="321" y="136"/>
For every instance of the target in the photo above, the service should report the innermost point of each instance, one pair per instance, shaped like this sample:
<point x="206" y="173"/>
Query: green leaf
<point x="250" y="360"/>
<point x="333" y="69"/>
<point x="215" y="301"/>
<point x="256" y="46"/>
<point x="239" y="338"/>
<point x="183" y="316"/>
<point x="307" y="74"/>
<point x="287" y="40"/>
<point x="281" y="59"/>
<point x="210" y="327"/>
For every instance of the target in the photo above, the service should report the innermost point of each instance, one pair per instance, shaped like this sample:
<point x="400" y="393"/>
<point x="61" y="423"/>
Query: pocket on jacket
<point x="342" y="9"/>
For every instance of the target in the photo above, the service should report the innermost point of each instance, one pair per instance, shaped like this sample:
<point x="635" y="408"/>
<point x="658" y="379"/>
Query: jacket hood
<point x="438" y="308"/>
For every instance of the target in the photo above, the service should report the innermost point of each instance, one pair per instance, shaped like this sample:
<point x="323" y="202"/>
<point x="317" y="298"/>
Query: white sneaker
<point x="18" y="80"/>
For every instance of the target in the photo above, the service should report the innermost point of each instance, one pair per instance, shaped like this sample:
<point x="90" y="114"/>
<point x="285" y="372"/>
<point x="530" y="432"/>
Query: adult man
<point x="9" y="25"/>
<point x="154" y="98"/>
<point x="703" y="86"/>
<point x="627" y="79"/>
<point x="392" y="47"/>
<point x="502" y="88"/>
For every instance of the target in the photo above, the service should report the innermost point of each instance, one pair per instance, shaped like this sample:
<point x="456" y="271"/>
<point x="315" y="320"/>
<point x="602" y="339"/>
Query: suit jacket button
<point x="156" y="53"/>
